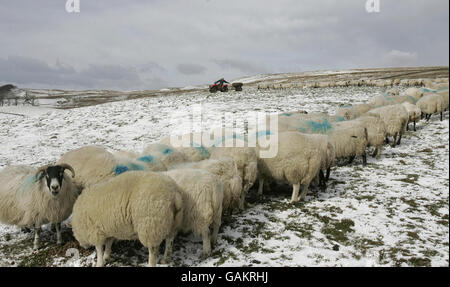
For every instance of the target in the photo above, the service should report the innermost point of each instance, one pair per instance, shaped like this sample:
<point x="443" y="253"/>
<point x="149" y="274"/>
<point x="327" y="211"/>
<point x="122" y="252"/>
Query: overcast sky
<point x="135" y="44"/>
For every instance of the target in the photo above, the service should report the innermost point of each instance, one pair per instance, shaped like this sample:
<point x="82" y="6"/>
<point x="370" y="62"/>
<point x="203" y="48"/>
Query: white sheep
<point x="350" y="113"/>
<point x="431" y="104"/>
<point x="31" y="198"/>
<point x="416" y="93"/>
<point x="380" y="101"/>
<point x="404" y="99"/>
<point x="376" y="132"/>
<point x="195" y="152"/>
<point x="350" y="140"/>
<point x="297" y="162"/>
<point x="202" y="194"/>
<point x="134" y="205"/>
<point x="169" y="156"/>
<point x="92" y="163"/>
<point x="393" y="92"/>
<point x="327" y="155"/>
<point x="130" y="161"/>
<point x="226" y="169"/>
<point x="414" y="113"/>
<point x="245" y="158"/>
<point x="395" y="118"/>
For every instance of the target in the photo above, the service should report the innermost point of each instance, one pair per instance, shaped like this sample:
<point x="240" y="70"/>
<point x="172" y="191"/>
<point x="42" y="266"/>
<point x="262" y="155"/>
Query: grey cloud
<point x="190" y="69"/>
<point x="242" y="66"/>
<point x="178" y="41"/>
<point x="29" y="71"/>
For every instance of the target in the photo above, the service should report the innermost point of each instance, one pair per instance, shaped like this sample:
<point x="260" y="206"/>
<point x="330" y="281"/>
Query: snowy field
<point x="393" y="212"/>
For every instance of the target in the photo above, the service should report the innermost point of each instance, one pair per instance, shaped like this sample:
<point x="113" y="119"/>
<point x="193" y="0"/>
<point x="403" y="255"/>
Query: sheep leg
<point x="242" y="200"/>
<point x="107" y="253"/>
<point x="414" y="125"/>
<point x="322" y="184"/>
<point x="58" y="233"/>
<point x="295" y="191"/>
<point x="153" y="255"/>
<point x="260" y="186"/>
<point x="206" y="243"/>
<point x="327" y="177"/>
<point x="350" y="160"/>
<point x="395" y="140"/>
<point x="216" y="226"/>
<point x="99" y="251"/>
<point x="375" y="152"/>
<point x="407" y="127"/>
<point x="364" y="156"/>
<point x="37" y="232"/>
<point x="386" y="140"/>
<point x="399" y="138"/>
<point x="304" y="188"/>
<point x="441" y="116"/>
<point x="168" y="251"/>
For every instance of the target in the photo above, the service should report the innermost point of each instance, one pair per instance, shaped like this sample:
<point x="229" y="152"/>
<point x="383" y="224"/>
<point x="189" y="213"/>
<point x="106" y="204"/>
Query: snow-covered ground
<point x="393" y="212"/>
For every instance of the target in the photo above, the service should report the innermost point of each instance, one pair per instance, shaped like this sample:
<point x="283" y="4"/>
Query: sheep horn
<point x="41" y="169"/>
<point x="66" y="166"/>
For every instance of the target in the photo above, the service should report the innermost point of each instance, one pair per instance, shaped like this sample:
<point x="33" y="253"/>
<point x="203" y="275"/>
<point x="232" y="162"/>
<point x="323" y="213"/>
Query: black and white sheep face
<point x="54" y="176"/>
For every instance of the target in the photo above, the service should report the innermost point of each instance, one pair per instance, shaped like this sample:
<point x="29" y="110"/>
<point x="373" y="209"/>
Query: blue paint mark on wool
<point x="147" y="159"/>
<point x="340" y="118"/>
<point x="167" y="151"/>
<point x="320" y="127"/>
<point x="287" y="114"/>
<point x="134" y="166"/>
<point x="413" y="99"/>
<point x="203" y="151"/>
<point x="120" y="169"/>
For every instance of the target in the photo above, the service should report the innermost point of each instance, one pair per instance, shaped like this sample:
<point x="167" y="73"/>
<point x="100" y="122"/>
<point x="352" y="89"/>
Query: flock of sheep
<point x="352" y="83"/>
<point x="162" y="191"/>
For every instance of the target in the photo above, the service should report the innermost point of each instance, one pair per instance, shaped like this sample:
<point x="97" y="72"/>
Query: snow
<point x="393" y="212"/>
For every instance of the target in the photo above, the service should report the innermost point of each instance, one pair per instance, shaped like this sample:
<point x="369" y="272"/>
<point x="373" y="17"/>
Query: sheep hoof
<point x="165" y="261"/>
<point x="204" y="256"/>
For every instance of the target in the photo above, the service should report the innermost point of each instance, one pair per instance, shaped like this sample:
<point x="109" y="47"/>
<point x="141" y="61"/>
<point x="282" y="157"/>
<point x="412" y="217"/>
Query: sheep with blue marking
<point x="130" y="161"/>
<point x="297" y="163"/>
<point x="168" y="155"/>
<point x="95" y="164"/>
<point x="31" y="197"/>
<point x="416" y="93"/>
<point x="195" y="152"/>
<point x="202" y="195"/>
<point x="135" y="205"/>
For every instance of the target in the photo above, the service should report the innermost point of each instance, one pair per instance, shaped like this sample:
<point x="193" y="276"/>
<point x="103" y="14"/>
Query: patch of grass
<point x="410" y="202"/>
<point x="337" y="230"/>
<point x="419" y="262"/>
<point x="411" y="179"/>
<point x="302" y="230"/>
<point x="427" y="150"/>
